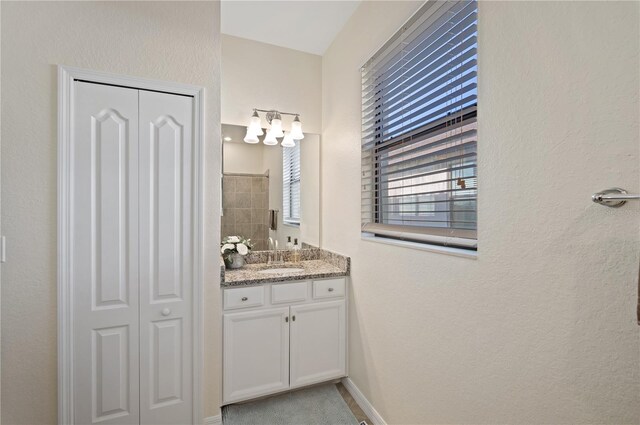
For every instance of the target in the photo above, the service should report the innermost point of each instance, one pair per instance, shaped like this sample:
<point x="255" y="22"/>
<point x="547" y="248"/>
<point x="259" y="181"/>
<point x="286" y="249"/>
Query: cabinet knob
<point x="286" y="319"/>
<point x="293" y="317"/>
<point x="244" y="298"/>
<point x="330" y="289"/>
<point x="166" y="311"/>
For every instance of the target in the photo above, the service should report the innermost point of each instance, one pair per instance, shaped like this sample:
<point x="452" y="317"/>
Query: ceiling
<point x="309" y="26"/>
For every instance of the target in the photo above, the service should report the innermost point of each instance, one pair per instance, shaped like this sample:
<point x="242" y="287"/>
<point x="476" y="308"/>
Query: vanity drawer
<point x="329" y="288"/>
<point x="289" y="292"/>
<point x="252" y="296"/>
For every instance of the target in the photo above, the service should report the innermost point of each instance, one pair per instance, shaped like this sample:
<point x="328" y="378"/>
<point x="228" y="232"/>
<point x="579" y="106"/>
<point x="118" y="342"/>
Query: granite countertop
<point x="316" y="264"/>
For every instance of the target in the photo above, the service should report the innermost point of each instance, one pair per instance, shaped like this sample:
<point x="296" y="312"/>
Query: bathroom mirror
<point x="255" y="182"/>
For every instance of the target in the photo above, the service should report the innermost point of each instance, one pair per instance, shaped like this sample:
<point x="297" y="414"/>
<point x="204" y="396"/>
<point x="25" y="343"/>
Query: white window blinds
<point x="419" y="129"/>
<point x="291" y="184"/>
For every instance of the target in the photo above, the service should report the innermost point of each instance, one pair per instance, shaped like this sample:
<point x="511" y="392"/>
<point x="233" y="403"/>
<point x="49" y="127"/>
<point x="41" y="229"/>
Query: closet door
<point x="166" y="258"/>
<point x="104" y="254"/>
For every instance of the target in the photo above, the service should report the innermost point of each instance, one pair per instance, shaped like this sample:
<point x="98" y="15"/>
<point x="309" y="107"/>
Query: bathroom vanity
<point x="284" y="326"/>
<point x="284" y="322"/>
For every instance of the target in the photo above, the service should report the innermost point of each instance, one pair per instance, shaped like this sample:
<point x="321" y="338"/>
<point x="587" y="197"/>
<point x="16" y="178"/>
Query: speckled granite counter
<point x="316" y="264"/>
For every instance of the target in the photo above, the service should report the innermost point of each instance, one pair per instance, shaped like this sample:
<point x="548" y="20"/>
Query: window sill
<point x="296" y="225"/>
<point x="457" y="252"/>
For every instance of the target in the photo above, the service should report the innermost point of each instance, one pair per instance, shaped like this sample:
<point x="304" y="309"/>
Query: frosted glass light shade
<point x="270" y="139"/>
<point x="256" y="125"/>
<point x="296" y="129"/>
<point x="251" y="137"/>
<point x="276" y="127"/>
<point x="288" y="142"/>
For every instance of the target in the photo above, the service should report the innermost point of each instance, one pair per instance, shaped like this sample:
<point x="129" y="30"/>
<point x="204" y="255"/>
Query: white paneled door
<point x="166" y="236"/>
<point x="132" y="233"/>
<point x="104" y="253"/>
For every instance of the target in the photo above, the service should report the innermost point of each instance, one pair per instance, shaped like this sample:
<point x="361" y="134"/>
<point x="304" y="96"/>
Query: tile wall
<point x="245" y="203"/>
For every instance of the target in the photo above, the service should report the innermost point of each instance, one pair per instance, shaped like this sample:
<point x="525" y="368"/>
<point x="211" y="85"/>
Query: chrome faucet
<point x="273" y="248"/>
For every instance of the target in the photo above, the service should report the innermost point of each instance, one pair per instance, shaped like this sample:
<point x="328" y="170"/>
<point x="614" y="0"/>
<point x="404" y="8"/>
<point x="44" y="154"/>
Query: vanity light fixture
<point x="288" y="142"/>
<point x="296" y="129"/>
<point x="270" y="139"/>
<point x="255" y="125"/>
<point x="251" y="137"/>
<point x="274" y="118"/>
<point x="276" y="125"/>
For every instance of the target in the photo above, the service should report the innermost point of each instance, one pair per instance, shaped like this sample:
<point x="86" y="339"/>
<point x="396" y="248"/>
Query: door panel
<point x="104" y="252"/>
<point x="110" y="348"/>
<point x="256" y="353"/>
<point x="165" y="154"/>
<point x="109" y="174"/>
<point x="166" y="362"/>
<point x="318" y="342"/>
<point x="166" y="266"/>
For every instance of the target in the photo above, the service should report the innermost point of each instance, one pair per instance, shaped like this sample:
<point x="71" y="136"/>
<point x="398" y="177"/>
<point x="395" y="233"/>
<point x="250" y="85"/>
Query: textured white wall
<point x="310" y="190"/>
<point x="541" y="327"/>
<point x="240" y="157"/>
<point x="259" y="75"/>
<point x="173" y="41"/>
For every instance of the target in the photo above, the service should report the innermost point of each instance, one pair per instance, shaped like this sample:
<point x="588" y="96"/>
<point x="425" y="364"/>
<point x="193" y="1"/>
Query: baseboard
<point x="213" y="420"/>
<point x="362" y="401"/>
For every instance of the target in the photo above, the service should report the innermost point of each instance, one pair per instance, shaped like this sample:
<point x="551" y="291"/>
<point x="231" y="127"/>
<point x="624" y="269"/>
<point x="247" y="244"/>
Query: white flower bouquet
<point x="233" y="249"/>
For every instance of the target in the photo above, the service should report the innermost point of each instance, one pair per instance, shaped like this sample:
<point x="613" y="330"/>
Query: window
<point x="291" y="184"/>
<point x="419" y="129"/>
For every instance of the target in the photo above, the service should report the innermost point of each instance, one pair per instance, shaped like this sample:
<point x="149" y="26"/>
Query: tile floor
<point x="355" y="409"/>
<point x="353" y="406"/>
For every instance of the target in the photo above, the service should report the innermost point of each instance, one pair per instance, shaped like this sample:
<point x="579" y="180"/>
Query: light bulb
<point x="276" y="126"/>
<point x="255" y="125"/>
<point x="270" y="139"/>
<point x="288" y="142"/>
<point x="251" y="137"/>
<point x="296" y="129"/>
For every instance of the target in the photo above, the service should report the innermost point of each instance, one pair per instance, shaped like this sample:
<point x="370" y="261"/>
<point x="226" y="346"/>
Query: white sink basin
<point x="282" y="270"/>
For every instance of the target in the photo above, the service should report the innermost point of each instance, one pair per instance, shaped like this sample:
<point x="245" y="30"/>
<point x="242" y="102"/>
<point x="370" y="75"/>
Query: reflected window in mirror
<point x="291" y="184"/>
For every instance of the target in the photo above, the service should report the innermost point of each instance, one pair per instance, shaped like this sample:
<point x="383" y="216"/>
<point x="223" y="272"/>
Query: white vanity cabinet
<point x="256" y="353"/>
<point x="289" y="335"/>
<point x="317" y="349"/>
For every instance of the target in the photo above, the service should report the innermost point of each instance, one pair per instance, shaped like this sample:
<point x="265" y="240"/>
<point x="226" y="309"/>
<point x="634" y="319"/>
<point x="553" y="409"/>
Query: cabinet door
<point x="255" y="354"/>
<point x="318" y="342"/>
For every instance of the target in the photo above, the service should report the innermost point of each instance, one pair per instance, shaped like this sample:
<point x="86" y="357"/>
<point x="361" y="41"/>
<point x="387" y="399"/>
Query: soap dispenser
<point x="289" y="244"/>
<point x="296" y="251"/>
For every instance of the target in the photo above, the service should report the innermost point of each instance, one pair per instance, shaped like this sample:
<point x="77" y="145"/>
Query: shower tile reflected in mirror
<point x="245" y="200"/>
